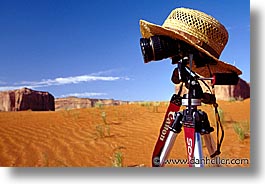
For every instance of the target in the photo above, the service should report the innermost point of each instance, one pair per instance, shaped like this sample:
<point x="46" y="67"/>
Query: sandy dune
<point x="103" y="137"/>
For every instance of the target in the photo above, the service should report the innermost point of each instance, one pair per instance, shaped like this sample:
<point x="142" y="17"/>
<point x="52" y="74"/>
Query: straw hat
<point x="199" y="30"/>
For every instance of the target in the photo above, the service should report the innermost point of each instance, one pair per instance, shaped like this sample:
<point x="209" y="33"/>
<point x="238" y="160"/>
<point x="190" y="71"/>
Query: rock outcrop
<point x="225" y="92"/>
<point x="77" y="103"/>
<point x="72" y="103"/>
<point x="26" y="99"/>
<point x="240" y="91"/>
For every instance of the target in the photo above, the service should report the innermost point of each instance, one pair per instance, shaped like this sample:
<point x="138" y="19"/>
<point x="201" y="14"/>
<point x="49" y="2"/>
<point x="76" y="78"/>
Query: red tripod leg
<point x="173" y="107"/>
<point x="190" y="143"/>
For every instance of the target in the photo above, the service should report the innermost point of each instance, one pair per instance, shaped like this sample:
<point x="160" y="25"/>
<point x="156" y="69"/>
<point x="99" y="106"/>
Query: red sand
<point x="81" y="137"/>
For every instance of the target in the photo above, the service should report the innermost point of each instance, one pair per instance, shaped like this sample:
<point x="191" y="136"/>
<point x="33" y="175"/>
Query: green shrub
<point x="117" y="160"/>
<point x="239" y="130"/>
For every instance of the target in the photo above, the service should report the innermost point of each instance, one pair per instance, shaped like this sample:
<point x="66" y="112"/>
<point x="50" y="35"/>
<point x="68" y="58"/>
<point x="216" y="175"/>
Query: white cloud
<point x="83" y="95"/>
<point x="69" y="80"/>
<point x="61" y="81"/>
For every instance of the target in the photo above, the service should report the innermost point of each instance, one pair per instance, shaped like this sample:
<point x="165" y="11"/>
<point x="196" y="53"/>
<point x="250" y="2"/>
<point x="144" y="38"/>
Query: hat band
<point x="197" y="41"/>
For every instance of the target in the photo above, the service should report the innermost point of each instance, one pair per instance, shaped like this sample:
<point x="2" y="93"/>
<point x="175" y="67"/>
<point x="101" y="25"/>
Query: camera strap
<point x="218" y="126"/>
<point x="218" y="123"/>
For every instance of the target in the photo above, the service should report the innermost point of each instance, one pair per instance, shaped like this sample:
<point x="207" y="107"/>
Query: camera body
<point x="160" y="47"/>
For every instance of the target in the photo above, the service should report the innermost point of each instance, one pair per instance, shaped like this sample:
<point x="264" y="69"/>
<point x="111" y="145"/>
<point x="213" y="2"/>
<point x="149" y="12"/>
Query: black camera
<point x="160" y="47"/>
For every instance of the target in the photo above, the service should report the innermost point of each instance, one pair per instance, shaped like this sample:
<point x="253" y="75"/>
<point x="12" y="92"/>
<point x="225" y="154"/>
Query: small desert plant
<point x="145" y="104"/>
<point x="117" y="156"/>
<point x="221" y="114"/>
<point x="117" y="159"/>
<point x="103" y="115"/>
<point x="99" y="104"/>
<point x="245" y="125"/>
<point x="100" y="130"/>
<point x="239" y="98"/>
<point x="155" y="106"/>
<point x="103" y="130"/>
<point x="45" y="161"/>
<point x="107" y="130"/>
<point x="239" y="130"/>
<point x="232" y="99"/>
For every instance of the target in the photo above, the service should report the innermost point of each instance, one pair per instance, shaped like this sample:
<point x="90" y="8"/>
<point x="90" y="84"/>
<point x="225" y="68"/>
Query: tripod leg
<point x="189" y="133"/>
<point x="211" y="147"/>
<point x="174" y="130"/>
<point x="172" y="109"/>
<point x="198" y="153"/>
<point x="210" y="144"/>
<point x="167" y="148"/>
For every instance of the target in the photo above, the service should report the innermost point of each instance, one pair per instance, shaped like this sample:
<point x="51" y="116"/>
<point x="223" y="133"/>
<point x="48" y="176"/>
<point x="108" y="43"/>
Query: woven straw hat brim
<point x="149" y="29"/>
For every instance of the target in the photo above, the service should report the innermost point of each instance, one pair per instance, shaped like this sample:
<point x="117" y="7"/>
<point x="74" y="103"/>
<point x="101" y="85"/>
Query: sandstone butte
<point x="26" y="99"/>
<point x="240" y="91"/>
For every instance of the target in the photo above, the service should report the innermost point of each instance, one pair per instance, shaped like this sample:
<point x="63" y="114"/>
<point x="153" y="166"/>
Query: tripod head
<point x="184" y="74"/>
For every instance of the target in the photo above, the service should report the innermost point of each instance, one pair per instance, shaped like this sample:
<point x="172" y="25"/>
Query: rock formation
<point x="240" y="91"/>
<point x="72" y="103"/>
<point x="76" y="103"/>
<point x="225" y="92"/>
<point x="26" y="99"/>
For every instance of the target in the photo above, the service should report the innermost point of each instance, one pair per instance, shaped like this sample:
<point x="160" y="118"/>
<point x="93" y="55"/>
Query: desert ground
<point x="114" y="136"/>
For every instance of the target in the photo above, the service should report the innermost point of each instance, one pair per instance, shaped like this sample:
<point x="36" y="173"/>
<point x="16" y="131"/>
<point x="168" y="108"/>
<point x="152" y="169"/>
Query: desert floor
<point x="112" y="136"/>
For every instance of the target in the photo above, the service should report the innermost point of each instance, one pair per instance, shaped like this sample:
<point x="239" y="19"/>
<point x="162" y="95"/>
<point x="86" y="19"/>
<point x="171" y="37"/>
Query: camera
<point x="160" y="47"/>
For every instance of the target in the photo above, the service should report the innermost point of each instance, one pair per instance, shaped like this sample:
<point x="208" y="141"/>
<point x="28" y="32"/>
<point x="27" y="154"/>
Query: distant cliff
<point x="226" y="92"/>
<point x="26" y="99"/>
<point x="76" y="103"/>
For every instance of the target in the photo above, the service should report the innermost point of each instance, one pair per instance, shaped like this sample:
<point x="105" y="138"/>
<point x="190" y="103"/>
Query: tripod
<point x="194" y="121"/>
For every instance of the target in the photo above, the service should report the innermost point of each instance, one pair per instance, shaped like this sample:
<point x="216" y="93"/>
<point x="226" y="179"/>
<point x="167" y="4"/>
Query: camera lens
<point x="158" y="47"/>
<point x="147" y="49"/>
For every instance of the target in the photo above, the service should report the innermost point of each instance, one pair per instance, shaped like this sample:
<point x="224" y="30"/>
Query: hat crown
<point x="202" y="29"/>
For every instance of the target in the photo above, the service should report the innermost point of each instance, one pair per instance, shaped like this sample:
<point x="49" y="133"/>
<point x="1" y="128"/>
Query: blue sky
<point x="91" y="48"/>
